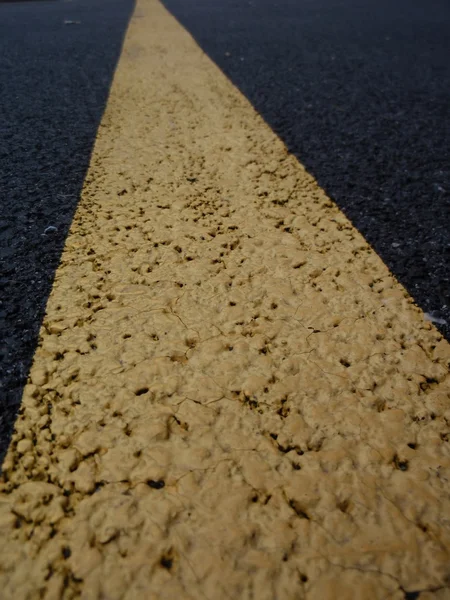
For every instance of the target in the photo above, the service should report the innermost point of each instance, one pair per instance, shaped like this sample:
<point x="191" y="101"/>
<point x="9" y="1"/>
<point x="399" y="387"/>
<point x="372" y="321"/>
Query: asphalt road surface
<point x="56" y="64"/>
<point x="360" y="93"/>
<point x="231" y="395"/>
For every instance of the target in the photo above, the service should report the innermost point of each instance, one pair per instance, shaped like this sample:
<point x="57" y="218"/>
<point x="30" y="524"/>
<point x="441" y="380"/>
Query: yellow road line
<point x="232" y="397"/>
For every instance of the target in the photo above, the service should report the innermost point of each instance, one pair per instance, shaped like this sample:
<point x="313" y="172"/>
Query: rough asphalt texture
<point x="359" y="92"/>
<point x="54" y="83"/>
<point x="232" y="397"/>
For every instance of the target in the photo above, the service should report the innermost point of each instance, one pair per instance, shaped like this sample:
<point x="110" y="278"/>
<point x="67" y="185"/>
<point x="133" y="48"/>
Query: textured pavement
<point x="54" y="82"/>
<point x="360" y="94"/>
<point x="232" y="396"/>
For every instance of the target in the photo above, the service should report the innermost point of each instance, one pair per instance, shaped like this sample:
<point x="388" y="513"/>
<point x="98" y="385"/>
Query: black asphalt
<point x="57" y="60"/>
<point x="359" y="90"/>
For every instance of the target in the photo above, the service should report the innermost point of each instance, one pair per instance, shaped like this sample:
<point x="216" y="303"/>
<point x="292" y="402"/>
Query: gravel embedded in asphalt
<point x="360" y="93"/>
<point x="54" y="83"/>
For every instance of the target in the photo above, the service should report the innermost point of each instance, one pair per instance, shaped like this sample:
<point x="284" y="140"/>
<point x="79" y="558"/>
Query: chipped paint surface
<point x="232" y="397"/>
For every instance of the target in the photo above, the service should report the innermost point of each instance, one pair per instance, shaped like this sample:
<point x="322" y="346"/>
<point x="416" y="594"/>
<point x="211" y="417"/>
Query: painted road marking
<point x="232" y="397"/>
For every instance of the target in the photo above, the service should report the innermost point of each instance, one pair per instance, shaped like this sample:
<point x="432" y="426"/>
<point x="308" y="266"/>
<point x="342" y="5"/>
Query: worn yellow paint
<point x="232" y="396"/>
